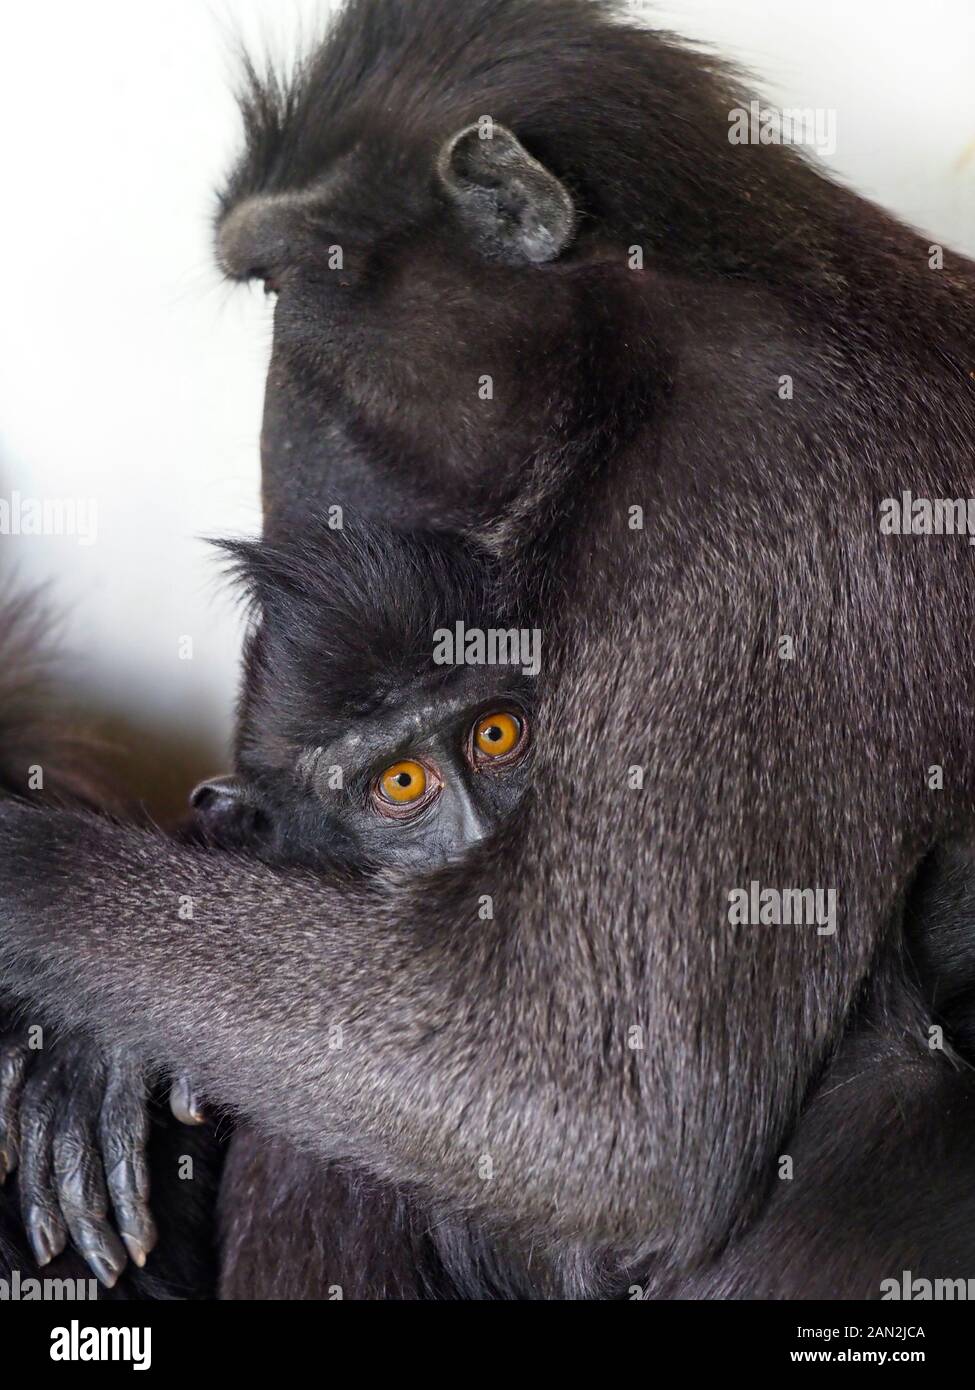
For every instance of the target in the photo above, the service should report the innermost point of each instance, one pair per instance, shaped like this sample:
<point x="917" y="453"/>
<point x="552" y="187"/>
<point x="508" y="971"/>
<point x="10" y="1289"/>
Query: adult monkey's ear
<point x="515" y="209"/>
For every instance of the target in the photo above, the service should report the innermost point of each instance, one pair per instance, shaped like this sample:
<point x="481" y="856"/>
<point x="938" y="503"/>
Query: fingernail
<point x="107" y="1260"/>
<point x="105" y="1272"/>
<point x="43" y="1254"/>
<point x="186" y="1103"/>
<point x="46" y="1240"/>
<point x="141" y="1240"/>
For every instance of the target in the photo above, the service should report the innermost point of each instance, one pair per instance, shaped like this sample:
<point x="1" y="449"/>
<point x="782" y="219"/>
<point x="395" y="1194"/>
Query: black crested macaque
<point x="360" y="748"/>
<point x="674" y="416"/>
<point x="77" y="1134"/>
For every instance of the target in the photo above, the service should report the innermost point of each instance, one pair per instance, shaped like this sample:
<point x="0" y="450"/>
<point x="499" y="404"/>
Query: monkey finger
<point x="13" y="1069"/>
<point x="43" y="1222"/>
<point x="83" y="1197"/>
<point x="124" y="1132"/>
<point x="185" y="1102"/>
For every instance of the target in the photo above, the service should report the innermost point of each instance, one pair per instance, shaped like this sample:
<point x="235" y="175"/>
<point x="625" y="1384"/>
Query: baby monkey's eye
<point x="497" y="735"/>
<point x="404" y="782"/>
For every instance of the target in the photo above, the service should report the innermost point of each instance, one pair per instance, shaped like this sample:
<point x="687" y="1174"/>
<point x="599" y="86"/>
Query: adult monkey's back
<point x="631" y="1063"/>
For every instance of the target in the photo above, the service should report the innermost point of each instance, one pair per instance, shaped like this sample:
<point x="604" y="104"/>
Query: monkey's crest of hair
<point x="351" y="614"/>
<point x="618" y="112"/>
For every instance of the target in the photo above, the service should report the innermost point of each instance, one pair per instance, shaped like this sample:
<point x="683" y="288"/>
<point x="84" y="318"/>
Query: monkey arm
<point x="387" y="1025"/>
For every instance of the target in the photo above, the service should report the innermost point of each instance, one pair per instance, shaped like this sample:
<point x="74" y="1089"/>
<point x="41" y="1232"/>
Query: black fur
<point x="941" y="933"/>
<point x="347" y="623"/>
<point x="340" y="676"/>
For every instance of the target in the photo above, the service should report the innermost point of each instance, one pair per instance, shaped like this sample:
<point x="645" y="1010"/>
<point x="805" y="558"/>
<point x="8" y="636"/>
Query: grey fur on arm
<point x="350" y="1020"/>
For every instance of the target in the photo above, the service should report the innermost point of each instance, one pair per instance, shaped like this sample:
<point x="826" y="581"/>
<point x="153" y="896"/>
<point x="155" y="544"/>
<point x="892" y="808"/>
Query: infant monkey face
<point x="364" y="743"/>
<point x="412" y="786"/>
<point x="451" y="790"/>
<point x="421" y="781"/>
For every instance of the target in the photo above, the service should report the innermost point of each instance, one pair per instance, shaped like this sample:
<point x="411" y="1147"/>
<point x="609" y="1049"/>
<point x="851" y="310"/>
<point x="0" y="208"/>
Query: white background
<point x="130" y="374"/>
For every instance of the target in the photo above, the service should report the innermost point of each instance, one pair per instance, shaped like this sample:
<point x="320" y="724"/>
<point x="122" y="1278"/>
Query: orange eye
<point x="404" y="782"/>
<point x="497" y="735"/>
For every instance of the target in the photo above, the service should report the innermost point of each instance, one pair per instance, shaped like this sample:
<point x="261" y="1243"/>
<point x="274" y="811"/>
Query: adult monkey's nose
<point x="259" y="238"/>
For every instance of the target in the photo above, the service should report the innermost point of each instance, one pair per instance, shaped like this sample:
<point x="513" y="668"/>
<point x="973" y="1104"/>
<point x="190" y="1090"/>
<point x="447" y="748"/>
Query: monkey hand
<point x="74" y="1120"/>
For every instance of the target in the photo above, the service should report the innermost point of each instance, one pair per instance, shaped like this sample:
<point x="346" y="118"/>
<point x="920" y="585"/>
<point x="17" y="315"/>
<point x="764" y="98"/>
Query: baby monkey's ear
<point x="227" y="812"/>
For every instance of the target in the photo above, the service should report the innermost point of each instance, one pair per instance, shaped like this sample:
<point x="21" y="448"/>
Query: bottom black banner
<point x="173" y="1339"/>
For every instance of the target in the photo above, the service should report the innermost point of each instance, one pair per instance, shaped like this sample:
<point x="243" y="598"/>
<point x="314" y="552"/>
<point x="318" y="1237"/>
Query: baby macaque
<point x="356" y="748"/>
